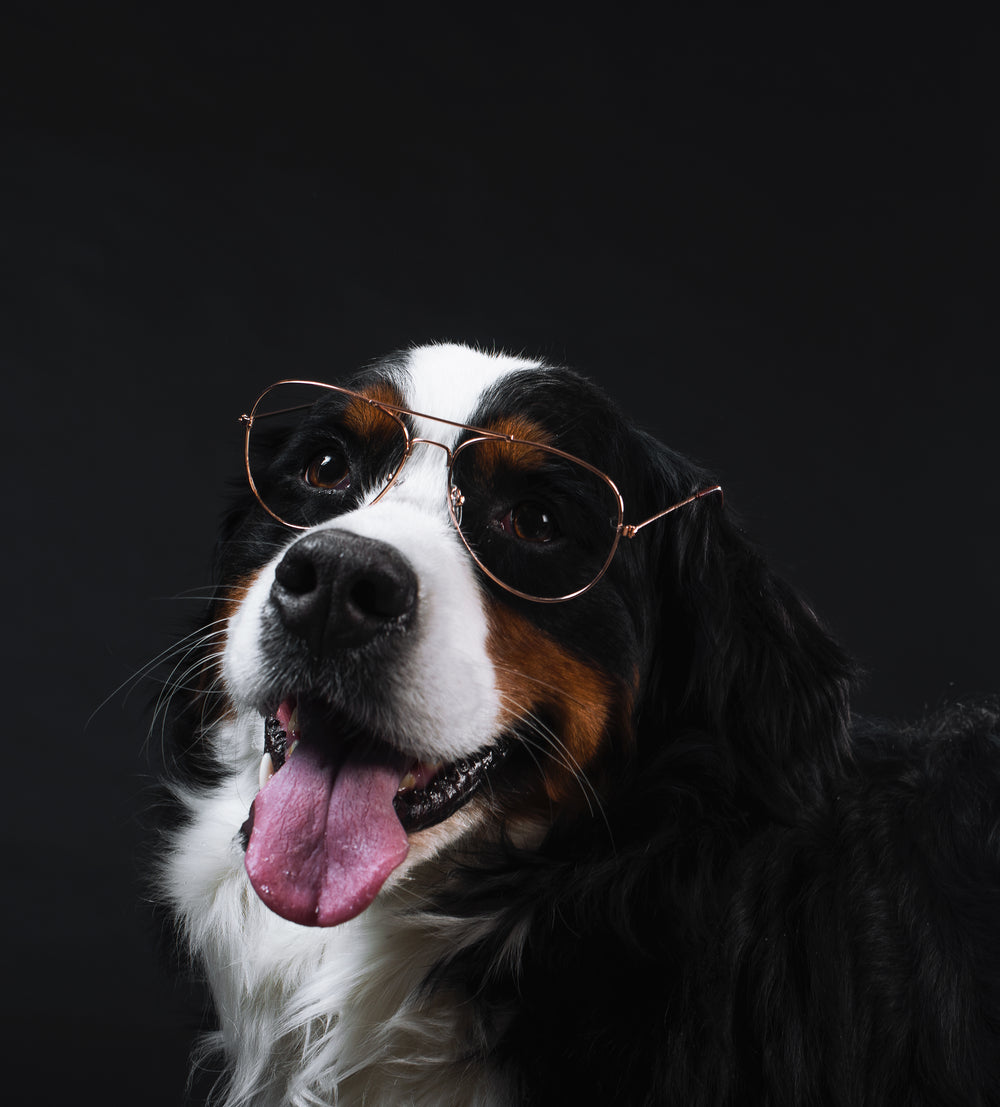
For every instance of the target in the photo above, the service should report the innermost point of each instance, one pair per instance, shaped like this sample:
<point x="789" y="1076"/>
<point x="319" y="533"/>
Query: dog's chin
<point x="337" y="806"/>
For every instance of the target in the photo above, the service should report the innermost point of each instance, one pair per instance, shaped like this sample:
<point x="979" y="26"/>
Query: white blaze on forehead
<point x="449" y="380"/>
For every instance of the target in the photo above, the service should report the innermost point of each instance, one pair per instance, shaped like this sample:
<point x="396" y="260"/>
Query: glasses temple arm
<point x="632" y="530"/>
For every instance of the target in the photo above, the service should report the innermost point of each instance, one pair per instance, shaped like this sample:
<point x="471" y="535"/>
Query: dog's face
<point x="396" y="694"/>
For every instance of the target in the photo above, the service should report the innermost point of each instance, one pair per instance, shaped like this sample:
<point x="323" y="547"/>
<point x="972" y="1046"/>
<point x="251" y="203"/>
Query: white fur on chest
<point x="320" y="1016"/>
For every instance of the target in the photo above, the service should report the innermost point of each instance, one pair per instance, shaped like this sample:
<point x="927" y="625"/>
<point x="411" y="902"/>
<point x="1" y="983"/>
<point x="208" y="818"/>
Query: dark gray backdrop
<point x="771" y="241"/>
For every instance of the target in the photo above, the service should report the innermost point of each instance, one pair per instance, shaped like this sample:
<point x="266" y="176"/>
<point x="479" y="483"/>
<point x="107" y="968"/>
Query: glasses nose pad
<point x="457" y="500"/>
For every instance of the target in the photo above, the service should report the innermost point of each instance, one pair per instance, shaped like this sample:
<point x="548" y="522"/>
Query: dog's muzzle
<point x="339" y="791"/>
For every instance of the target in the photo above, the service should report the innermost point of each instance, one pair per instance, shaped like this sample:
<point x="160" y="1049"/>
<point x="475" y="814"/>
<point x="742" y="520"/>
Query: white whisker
<point x="190" y="665"/>
<point x="179" y="648"/>
<point x="553" y="746"/>
<point x="546" y="685"/>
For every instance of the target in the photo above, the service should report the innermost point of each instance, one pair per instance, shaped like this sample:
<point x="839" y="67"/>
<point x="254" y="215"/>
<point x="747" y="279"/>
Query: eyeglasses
<point x="539" y="522"/>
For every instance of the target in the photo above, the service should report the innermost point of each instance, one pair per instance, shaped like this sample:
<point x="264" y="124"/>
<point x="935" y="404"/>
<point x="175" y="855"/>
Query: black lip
<point x="451" y="789"/>
<point x="417" y="808"/>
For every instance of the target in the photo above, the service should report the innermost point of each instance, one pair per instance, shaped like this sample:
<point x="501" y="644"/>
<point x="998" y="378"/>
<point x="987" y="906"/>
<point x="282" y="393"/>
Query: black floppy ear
<point x="741" y="655"/>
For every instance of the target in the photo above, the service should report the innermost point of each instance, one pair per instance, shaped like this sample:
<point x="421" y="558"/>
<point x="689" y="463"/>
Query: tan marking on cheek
<point x="225" y="607"/>
<point x="535" y="675"/>
<point x="232" y="595"/>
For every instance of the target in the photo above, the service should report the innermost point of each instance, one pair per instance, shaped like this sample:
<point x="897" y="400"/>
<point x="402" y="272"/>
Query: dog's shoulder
<point x="683" y="949"/>
<point x="937" y="781"/>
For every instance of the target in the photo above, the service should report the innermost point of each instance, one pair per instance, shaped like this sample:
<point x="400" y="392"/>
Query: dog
<point x="506" y="772"/>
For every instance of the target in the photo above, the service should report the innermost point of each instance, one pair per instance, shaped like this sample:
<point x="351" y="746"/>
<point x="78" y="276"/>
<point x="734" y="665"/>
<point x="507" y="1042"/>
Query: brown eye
<point x="531" y="523"/>
<point x="329" y="471"/>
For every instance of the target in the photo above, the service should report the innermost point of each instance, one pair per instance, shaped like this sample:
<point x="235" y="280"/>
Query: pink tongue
<point x="325" y="835"/>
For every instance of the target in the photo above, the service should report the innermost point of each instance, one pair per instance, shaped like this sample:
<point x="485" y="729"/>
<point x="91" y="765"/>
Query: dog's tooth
<point x="408" y="781"/>
<point x="292" y="726"/>
<point x="291" y="748"/>
<point x="266" y="770"/>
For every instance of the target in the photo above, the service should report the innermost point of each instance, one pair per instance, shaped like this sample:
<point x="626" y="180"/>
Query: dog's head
<point x="463" y="595"/>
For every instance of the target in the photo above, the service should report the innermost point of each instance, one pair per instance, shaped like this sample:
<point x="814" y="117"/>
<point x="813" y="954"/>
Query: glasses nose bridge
<point x="432" y="442"/>
<point x="412" y="441"/>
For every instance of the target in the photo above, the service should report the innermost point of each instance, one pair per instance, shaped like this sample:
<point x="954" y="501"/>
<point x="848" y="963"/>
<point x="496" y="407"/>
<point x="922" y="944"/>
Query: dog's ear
<point x="739" y="654"/>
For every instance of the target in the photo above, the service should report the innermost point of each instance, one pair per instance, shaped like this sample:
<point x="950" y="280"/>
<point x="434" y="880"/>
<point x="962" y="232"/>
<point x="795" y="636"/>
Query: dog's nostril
<point x="296" y="573"/>
<point x="382" y="595"/>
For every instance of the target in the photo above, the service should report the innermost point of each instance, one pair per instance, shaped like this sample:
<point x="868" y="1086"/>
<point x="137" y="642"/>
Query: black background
<point x="770" y="237"/>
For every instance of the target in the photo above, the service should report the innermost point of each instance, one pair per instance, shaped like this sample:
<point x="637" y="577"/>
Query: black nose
<point x="337" y="590"/>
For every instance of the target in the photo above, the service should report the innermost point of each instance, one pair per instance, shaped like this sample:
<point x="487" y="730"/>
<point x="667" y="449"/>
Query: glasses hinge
<point x="457" y="500"/>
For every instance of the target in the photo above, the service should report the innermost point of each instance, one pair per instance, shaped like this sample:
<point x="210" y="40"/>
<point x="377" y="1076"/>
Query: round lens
<point x="314" y="452"/>
<point x="540" y="523"/>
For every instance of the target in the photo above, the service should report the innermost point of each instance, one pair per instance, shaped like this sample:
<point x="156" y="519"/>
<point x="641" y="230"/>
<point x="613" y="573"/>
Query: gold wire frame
<point x="481" y="434"/>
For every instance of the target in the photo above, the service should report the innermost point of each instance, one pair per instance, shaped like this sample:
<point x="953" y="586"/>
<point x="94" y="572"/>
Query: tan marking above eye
<point x="517" y="426"/>
<point x="371" y="423"/>
<point x="489" y="454"/>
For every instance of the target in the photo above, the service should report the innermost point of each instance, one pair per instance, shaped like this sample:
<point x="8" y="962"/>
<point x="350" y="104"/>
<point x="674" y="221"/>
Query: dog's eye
<point x="531" y="522"/>
<point x="329" y="470"/>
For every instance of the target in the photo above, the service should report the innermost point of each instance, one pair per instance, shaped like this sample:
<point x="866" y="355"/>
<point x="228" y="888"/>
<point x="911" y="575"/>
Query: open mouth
<point x="335" y="806"/>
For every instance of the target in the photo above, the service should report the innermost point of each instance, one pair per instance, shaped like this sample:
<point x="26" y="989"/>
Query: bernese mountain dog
<point x="507" y="773"/>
